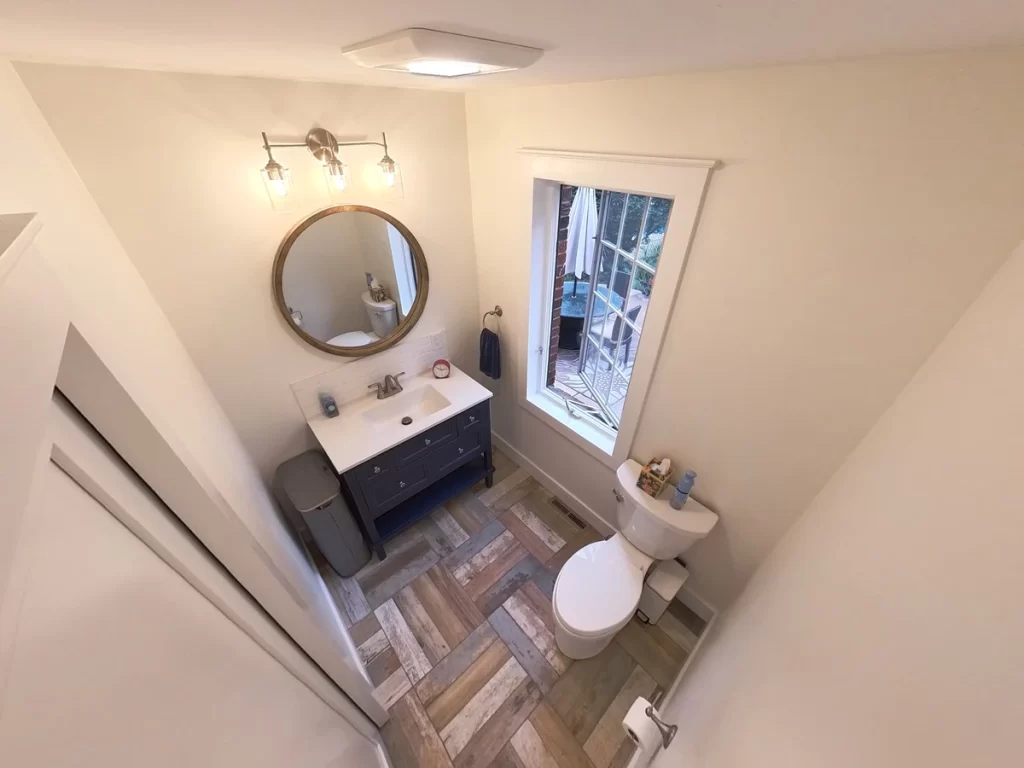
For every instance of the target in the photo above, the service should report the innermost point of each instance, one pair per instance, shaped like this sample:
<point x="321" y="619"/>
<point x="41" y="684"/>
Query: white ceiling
<point x="584" y="39"/>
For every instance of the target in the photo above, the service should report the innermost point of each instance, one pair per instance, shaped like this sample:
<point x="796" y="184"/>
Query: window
<point x="598" y="308"/>
<point x="608" y="237"/>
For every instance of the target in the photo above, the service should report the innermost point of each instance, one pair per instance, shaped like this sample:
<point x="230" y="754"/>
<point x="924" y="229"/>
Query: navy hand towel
<point x="490" y="354"/>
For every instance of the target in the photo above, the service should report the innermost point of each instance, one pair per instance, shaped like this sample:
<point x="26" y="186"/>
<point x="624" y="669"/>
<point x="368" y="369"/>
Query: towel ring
<point x="497" y="312"/>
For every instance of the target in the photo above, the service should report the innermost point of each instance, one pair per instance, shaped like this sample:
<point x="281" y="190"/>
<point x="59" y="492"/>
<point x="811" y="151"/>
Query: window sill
<point x="599" y="443"/>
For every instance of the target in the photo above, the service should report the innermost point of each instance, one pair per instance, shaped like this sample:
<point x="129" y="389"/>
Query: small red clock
<point x="442" y="369"/>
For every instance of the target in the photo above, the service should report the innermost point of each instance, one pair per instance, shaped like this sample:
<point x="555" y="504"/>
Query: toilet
<point x="383" y="320"/>
<point x="598" y="589"/>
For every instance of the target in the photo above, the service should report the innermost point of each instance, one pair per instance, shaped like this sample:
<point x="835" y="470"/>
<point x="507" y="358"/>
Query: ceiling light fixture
<point x="440" y="54"/>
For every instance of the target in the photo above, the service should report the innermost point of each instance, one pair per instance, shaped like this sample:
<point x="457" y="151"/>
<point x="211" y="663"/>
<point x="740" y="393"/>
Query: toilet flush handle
<point x="618" y="496"/>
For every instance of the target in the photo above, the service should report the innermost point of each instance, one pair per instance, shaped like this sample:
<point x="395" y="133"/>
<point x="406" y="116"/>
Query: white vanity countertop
<point x="367" y="427"/>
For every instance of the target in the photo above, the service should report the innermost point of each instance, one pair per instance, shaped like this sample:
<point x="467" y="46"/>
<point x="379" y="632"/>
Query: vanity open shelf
<point x="394" y="489"/>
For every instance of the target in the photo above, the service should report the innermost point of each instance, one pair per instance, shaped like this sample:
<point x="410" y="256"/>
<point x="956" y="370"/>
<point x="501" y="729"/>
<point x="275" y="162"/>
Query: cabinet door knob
<point x="462" y="450"/>
<point x="401" y="484"/>
<point x="376" y="470"/>
<point x="472" y="419"/>
<point x="427" y="441"/>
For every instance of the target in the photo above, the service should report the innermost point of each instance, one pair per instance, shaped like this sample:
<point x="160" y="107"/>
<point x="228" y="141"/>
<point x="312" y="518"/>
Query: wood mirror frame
<point x="403" y="328"/>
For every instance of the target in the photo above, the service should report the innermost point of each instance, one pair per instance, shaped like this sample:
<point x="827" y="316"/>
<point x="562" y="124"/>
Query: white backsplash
<point x="351" y="381"/>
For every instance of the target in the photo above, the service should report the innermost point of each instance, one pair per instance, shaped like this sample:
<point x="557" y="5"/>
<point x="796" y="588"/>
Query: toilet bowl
<point x="598" y="589"/>
<point x="596" y="594"/>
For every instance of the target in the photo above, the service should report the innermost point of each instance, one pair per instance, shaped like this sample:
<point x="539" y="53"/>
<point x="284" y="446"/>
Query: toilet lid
<point x="597" y="589"/>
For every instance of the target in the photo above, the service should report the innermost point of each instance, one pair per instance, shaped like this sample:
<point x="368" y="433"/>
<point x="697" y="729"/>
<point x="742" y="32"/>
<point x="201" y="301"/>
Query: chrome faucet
<point x="389" y="387"/>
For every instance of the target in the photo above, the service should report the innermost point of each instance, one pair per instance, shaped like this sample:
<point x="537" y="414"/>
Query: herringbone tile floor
<point x="456" y="630"/>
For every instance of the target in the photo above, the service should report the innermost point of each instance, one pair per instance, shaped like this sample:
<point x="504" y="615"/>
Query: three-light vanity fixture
<point x="323" y="145"/>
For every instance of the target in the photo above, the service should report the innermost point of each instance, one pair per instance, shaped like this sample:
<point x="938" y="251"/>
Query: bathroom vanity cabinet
<point x="394" y="489"/>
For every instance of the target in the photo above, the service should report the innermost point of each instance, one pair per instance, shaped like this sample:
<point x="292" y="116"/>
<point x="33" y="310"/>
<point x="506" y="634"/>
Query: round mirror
<point x="350" y="280"/>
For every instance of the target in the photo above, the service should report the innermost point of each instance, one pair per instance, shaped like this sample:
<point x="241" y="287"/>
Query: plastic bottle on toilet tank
<point x="682" y="492"/>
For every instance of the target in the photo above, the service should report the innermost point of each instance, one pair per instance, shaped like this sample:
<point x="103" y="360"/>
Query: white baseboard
<point x="564" y="495"/>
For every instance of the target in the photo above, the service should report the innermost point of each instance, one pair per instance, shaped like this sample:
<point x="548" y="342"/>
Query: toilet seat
<point x="598" y="589"/>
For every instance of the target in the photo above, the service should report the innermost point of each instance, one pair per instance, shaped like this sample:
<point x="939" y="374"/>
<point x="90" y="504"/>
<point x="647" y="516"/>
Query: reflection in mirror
<point x="349" y="278"/>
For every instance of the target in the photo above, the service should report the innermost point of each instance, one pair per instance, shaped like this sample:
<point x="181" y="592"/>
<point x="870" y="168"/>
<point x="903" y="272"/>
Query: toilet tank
<point x="651" y="525"/>
<point x="383" y="314"/>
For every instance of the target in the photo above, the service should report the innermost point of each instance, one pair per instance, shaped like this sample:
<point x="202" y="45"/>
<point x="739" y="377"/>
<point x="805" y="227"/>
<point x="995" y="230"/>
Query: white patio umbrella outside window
<point x="581" y="238"/>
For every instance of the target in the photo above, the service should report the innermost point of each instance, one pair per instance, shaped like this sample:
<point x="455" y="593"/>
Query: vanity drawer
<point x="452" y="455"/>
<point x="472" y="418"/>
<point x="375" y="467"/>
<point x="384" y="491"/>
<point x="417" y="447"/>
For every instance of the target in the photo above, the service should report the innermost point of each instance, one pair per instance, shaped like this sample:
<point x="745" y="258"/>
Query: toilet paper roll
<point x="640" y="728"/>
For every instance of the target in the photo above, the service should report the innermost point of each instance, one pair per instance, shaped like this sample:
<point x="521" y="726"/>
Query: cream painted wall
<point x="886" y="629"/>
<point x="172" y="160"/>
<point x="860" y="207"/>
<point x="115" y="313"/>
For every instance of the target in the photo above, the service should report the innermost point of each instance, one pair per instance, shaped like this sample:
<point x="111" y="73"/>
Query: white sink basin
<point x="416" y="404"/>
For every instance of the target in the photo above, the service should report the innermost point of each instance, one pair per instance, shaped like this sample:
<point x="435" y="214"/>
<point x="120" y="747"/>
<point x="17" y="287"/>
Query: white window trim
<point x="684" y="182"/>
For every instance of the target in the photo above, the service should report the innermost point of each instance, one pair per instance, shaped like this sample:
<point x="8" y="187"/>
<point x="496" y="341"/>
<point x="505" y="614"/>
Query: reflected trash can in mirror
<point x="308" y="489"/>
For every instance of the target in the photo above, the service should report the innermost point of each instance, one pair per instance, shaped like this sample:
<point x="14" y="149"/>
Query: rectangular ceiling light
<point x="440" y="54"/>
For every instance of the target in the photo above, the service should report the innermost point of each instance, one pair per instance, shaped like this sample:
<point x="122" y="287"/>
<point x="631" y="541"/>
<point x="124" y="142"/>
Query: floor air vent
<point x="573" y="518"/>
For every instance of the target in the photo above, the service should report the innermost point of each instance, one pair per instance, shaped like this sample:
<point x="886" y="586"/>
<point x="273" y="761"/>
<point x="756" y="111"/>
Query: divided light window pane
<point x="600" y="318"/>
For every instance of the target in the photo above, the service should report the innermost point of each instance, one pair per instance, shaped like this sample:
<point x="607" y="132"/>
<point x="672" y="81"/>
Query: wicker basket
<point x="650" y="483"/>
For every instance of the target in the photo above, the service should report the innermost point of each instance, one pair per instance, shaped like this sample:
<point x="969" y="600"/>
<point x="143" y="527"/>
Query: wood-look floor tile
<point x="654" y="650"/>
<point x="484" y="581"/>
<point x="607" y="737"/>
<point x="540" y="602"/>
<point x="489" y="740"/>
<point x="429" y="637"/>
<point x="476" y="542"/>
<point x="364" y="629"/>
<point x="469" y="512"/>
<point x="410" y="738"/>
<point x="392" y="689"/>
<point x="450" y="527"/>
<point x="459" y="603"/>
<point x="581" y="695"/>
<point x="445" y="617"/>
<point x="452" y="666"/>
<point x="539" y="503"/>
<point x="484" y="704"/>
<point x="670" y="624"/>
<point x="507" y="758"/>
<point x="623" y="755"/>
<point x="528" y="747"/>
<point x="556" y="738"/>
<point x="439" y="542"/>
<point x="375" y="644"/>
<point x="482" y="559"/>
<point x="526" y="537"/>
<point x="450" y="702"/>
<point x="541" y="635"/>
<point x="574" y="544"/>
<point x="531" y="658"/>
<point x="499" y="489"/>
<point x="515" y="495"/>
<point x="346" y="592"/>
<point x="384" y="579"/>
<point x="403" y="641"/>
<point x="383" y="665"/>
<point x="538" y="527"/>
<point x="525" y="570"/>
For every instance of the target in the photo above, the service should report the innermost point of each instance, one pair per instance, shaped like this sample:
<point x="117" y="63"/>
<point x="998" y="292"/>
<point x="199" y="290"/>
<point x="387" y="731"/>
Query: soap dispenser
<point x="682" y="492"/>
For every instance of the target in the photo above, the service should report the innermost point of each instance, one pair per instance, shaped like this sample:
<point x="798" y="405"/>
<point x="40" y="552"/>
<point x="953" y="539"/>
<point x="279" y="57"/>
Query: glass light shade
<point x="444" y="67"/>
<point x="336" y="174"/>
<point x="389" y="168"/>
<point x="278" y="181"/>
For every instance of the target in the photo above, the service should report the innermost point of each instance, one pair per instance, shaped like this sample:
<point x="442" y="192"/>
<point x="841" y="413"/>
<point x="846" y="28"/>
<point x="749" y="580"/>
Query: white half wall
<point x="187" y="203"/>
<point x="886" y="628"/>
<point x="115" y="315"/>
<point x="860" y="207"/>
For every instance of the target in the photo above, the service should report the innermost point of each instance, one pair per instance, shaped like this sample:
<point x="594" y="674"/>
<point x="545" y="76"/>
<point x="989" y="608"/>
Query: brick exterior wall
<point x="564" y="204"/>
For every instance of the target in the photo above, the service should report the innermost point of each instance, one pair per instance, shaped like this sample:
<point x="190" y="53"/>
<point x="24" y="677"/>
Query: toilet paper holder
<point x="668" y="732"/>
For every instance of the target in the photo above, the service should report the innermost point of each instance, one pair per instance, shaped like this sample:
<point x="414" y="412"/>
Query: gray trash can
<point x="306" y="486"/>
